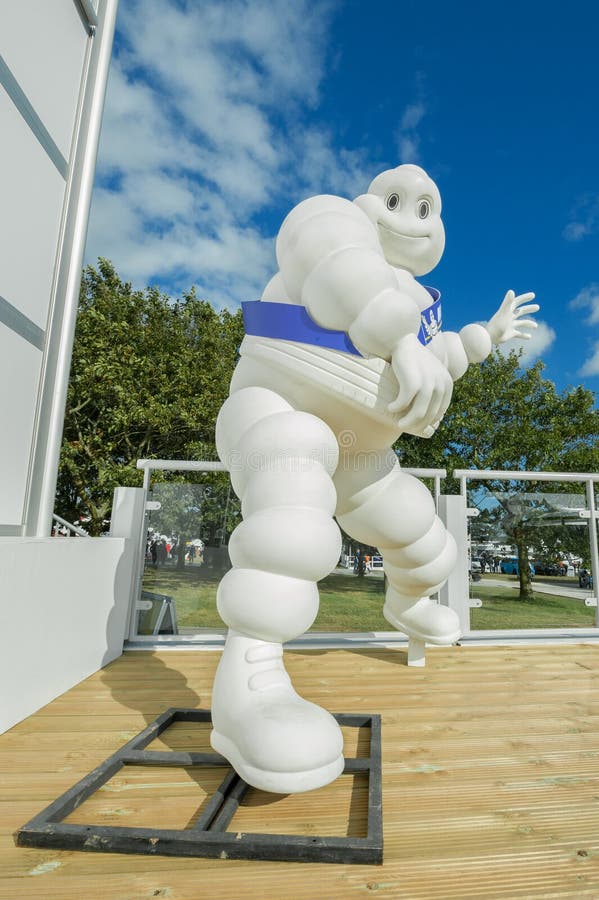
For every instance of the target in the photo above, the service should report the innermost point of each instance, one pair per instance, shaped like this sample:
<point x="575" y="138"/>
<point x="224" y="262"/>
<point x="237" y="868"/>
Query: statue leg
<point x="381" y="505"/>
<point x="281" y="462"/>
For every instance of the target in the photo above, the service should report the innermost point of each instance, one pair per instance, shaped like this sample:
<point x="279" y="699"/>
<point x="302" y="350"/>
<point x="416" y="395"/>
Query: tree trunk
<point x="526" y="591"/>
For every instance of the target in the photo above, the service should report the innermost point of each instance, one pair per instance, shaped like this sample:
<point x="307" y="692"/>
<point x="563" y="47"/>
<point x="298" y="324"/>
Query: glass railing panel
<point x="187" y="554"/>
<point x="352" y="596"/>
<point x="530" y="557"/>
<point x="186" y="551"/>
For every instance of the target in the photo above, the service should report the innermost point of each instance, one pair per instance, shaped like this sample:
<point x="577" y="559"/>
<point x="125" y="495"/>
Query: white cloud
<point x="588" y="298"/>
<point x="591" y="365"/>
<point x="408" y="138"/>
<point x="413" y="116"/>
<point x="540" y="341"/>
<point x="409" y="149"/>
<point x="575" y="231"/>
<point x="321" y="168"/>
<point x="205" y="132"/>
<point x="585" y="219"/>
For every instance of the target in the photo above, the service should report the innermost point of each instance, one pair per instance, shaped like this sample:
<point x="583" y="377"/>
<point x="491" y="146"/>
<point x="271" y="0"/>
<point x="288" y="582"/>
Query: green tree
<point x="148" y="377"/>
<point x="503" y="416"/>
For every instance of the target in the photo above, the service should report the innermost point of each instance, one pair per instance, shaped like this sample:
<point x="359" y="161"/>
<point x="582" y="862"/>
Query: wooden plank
<point x="490" y="779"/>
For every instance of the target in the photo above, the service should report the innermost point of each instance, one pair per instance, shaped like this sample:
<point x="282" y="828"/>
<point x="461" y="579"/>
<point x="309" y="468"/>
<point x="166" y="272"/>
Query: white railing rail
<point x="176" y="465"/>
<point x="186" y="465"/>
<point x="74" y="528"/>
<point x="507" y="475"/>
<point x="179" y="465"/>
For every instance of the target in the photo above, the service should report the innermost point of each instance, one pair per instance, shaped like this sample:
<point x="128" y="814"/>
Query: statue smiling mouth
<point x="410" y="237"/>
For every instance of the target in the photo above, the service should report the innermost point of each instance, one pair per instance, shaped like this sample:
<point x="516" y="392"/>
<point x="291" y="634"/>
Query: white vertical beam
<point x="44" y="468"/>
<point x="127" y="521"/>
<point x="590" y="487"/>
<point x="455" y="592"/>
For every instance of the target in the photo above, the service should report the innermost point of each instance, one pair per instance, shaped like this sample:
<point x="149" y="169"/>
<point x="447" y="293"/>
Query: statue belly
<point x="349" y="393"/>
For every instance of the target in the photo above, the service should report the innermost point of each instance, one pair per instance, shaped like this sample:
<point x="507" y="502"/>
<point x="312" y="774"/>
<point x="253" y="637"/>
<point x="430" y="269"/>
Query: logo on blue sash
<point x="431" y="322"/>
<point x="290" y="322"/>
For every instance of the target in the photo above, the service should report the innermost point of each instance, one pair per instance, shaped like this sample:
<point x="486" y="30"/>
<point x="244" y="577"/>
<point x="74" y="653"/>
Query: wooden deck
<point x="490" y="779"/>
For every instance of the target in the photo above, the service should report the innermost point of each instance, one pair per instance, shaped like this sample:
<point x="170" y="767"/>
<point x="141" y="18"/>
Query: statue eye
<point x="392" y="201"/>
<point x="423" y="208"/>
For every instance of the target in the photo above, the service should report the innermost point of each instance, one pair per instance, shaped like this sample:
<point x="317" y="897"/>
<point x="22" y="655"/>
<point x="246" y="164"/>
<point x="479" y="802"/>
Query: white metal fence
<point x="452" y="508"/>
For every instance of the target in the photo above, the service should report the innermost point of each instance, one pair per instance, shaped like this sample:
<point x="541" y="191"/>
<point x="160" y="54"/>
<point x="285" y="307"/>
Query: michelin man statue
<point x="342" y="354"/>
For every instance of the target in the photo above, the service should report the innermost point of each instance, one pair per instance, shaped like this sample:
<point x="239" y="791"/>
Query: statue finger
<point x="526" y="310"/>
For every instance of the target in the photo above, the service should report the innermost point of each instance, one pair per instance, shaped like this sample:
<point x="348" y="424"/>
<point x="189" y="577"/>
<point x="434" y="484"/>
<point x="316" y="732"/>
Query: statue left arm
<point x="474" y="342"/>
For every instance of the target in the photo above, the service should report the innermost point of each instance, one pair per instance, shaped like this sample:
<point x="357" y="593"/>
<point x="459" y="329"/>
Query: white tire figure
<point x="342" y="354"/>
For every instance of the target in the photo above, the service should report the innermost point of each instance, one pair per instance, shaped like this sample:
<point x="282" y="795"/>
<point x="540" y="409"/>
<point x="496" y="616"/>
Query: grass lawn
<point x="503" y="609"/>
<point x="349" y="603"/>
<point x="194" y="591"/>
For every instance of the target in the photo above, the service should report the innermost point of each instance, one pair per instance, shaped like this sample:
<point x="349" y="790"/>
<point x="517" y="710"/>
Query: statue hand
<point x="425" y="388"/>
<point x="508" y="323"/>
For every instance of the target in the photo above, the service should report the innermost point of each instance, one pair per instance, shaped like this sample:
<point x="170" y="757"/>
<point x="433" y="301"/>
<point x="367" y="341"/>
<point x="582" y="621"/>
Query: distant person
<point x="161" y="554"/>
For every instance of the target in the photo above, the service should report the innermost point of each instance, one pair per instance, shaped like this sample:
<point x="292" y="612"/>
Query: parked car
<point x="510" y="566"/>
<point x="549" y="568"/>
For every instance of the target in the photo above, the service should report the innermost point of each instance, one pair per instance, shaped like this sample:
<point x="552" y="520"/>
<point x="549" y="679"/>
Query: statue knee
<point x="302" y="543"/>
<point x="393" y="512"/>
<point x="425" y="579"/>
<point x="421" y="551"/>
<point x="265" y="605"/>
<point x="310" y="486"/>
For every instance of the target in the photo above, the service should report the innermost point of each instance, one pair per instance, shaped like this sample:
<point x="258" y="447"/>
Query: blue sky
<point x="220" y="116"/>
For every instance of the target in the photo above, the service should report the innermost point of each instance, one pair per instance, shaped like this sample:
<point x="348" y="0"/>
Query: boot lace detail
<point x="271" y="672"/>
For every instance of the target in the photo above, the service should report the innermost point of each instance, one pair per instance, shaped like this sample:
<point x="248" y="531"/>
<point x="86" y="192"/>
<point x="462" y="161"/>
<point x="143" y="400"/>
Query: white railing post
<point x="455" y="593"/>
<point x="590" y="487"/>
<point x="128" y="521"/>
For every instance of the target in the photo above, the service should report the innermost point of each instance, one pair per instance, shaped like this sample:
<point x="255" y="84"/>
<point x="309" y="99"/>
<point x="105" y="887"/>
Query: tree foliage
<point x="148" y="376"/>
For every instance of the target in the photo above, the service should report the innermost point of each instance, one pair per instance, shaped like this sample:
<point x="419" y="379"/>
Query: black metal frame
<point x="208" y="836"/>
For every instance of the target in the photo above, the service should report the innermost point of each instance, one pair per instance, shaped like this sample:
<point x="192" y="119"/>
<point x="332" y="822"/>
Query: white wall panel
<point x="64" y="616"/>
<point x="32" y="196"/>
<point x="43" y="43"/>
<point x="20" y="364"/>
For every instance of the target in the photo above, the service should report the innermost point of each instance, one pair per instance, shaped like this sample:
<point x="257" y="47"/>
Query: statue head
<point x="405" y="206"/>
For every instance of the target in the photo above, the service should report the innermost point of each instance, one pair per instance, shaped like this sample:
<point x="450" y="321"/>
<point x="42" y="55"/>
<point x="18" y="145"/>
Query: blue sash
<point x="290" y="322"/>
<point x="430" y="318"/>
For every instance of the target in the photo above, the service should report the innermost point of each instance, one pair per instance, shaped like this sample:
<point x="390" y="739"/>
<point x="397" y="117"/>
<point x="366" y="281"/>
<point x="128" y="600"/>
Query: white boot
<point x="422" y="618"/>
<point x="274" y="739"/>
